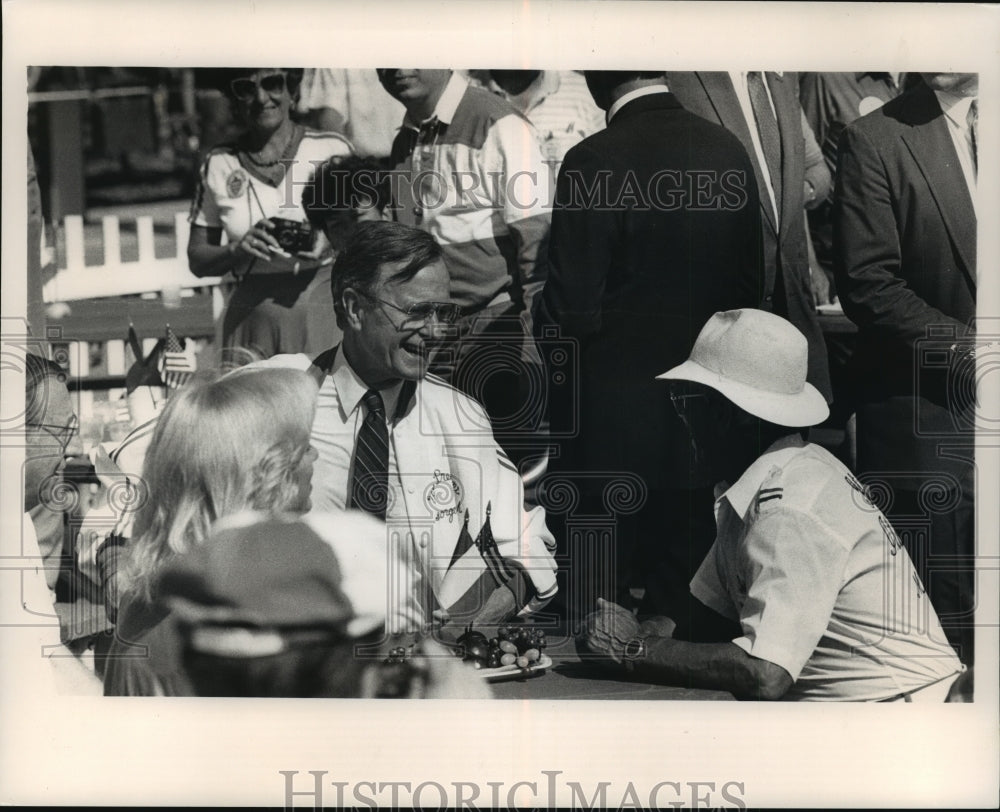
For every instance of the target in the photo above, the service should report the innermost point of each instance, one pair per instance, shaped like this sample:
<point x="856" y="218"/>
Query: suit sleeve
<point x="816" y="173"/>
<point x="583" y="240"/>
<point x="815" y="106"/>
<point x="867" y="252"/>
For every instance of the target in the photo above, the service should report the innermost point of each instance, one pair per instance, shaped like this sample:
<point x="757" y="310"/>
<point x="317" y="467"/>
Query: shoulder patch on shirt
<point x="237" y="183"/>
<point x="769" y="495"/>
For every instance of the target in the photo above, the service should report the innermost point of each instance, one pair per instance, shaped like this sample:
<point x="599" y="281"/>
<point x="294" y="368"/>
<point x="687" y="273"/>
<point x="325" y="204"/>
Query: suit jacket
<point x="905" y="259"/>
<point x="786" y="255"/>
<point x="640" y="259"/>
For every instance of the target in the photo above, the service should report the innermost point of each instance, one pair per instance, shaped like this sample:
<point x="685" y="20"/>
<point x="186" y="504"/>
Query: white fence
<point x="113" y="277"/>
<point x="147" y="276"/>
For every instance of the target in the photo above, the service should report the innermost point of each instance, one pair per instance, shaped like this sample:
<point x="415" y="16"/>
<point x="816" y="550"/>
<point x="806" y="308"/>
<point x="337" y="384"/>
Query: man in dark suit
<point x="656" y="226"/>
<point x="905" y="259"/>
<point x="727" y="99"/>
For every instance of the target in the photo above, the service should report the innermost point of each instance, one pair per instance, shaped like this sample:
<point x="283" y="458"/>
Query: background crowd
<point x="447" y="293"/>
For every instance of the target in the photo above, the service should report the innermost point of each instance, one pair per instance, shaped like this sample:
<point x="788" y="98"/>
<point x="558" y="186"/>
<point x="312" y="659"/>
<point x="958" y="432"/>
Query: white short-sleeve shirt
<point x="820" y="582"/>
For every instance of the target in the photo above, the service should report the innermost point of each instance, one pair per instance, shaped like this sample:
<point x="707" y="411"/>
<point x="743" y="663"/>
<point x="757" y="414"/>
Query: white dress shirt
<point x="956" y="113"/>
<point x="739" y="80"/>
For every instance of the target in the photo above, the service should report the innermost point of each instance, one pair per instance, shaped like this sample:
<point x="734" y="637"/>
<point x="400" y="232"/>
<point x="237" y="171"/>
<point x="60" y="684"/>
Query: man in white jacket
<point x="409" y="448"/>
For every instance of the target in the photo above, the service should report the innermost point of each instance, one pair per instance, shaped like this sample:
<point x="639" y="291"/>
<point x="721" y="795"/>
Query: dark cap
<point x="273" y="575"/>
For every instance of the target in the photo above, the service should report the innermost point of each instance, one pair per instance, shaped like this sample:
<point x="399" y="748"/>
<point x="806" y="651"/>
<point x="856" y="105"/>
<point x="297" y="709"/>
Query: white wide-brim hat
<point x="758" y="361"/>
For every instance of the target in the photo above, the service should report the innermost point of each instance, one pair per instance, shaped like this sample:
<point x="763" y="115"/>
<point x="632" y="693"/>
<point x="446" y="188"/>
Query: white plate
<point x="505" y="672"/>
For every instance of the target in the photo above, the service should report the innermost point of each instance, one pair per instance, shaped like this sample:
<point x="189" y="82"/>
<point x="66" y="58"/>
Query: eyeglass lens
<point x="245" y="88"/>
<point x="446" y="312"/>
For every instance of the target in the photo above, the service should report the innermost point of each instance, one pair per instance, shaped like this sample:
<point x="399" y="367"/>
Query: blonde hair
<point x="220" y="447"/>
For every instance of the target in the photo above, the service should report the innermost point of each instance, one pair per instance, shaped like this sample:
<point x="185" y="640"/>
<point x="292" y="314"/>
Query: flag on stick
<point x="176" y="364"/>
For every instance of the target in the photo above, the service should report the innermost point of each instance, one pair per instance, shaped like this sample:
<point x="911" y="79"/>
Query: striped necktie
<point x="370" y="482"/>
<point x="767" y="129"/>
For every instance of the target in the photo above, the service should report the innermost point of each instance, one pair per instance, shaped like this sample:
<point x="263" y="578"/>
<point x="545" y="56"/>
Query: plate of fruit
<point x="517" y="651"/>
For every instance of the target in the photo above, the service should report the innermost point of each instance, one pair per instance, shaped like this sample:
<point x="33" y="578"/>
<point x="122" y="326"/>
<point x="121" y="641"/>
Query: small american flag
<point x="176" y="362"/>
<point x="476" y="569"/>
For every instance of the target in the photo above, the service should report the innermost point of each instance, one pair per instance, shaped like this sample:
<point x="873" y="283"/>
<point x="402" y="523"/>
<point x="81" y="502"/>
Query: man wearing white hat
<point x="827" y="599"/>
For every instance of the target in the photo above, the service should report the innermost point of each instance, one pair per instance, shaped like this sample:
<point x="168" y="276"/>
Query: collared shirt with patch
<point x="819" y="582"/>
<point x="443" y="461"/>
<point x="231" y="198"/>
<point x="474" y="177"/>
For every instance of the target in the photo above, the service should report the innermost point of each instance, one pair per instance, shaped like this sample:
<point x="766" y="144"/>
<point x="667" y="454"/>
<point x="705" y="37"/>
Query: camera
<point x="292" y="235"/>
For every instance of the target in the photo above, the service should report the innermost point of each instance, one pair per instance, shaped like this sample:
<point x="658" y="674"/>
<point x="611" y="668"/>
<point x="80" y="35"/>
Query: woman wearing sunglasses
<point x="251" y="191"/>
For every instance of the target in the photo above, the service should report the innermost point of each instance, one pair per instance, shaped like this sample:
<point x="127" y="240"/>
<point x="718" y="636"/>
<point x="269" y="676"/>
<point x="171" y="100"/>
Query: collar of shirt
<point x="444" y="110"/>
<point x="634" y="94"/>
<point x="956" y="108"/>
<point x="351" y="389"/>
<point x="742" y="493"/>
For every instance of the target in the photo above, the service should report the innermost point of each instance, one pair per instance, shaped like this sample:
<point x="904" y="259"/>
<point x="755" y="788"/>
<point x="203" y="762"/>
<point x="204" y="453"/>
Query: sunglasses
<point x="682" y="402"/>
<point x="246" y="89"/>
<point x="420" y="313"/>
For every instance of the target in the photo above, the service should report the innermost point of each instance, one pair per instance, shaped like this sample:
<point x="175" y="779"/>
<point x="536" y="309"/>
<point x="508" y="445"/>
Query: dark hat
<point x="247" y="584"/>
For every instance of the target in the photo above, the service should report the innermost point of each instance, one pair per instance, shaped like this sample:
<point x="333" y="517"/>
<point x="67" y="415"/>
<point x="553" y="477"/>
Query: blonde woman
<point x="237" y="443"/>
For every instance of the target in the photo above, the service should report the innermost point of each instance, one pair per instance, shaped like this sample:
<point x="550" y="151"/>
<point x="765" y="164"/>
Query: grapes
<point x="514" y="644"/>
<point x="395" y="655"/>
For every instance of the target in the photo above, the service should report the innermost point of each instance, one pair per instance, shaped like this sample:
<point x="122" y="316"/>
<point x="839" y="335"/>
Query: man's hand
<point x="608" y="630"/>
<point x="820" y="286"/>
<point x="499" y="606"/>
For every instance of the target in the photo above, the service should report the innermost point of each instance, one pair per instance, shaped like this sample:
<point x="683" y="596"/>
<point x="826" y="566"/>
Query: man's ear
<point x="353" y="313"/>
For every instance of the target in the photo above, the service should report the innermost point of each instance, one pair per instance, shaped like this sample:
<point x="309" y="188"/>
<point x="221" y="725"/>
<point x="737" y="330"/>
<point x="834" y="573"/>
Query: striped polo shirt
<point x="474" y="177"/>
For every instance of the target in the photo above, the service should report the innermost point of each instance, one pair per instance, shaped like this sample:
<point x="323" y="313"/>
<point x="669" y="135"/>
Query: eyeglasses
<point x="245" y="89"/>
<point x="61" y="434"/>
<point x="420" y="313"/>
<point x="680" y="402"/>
